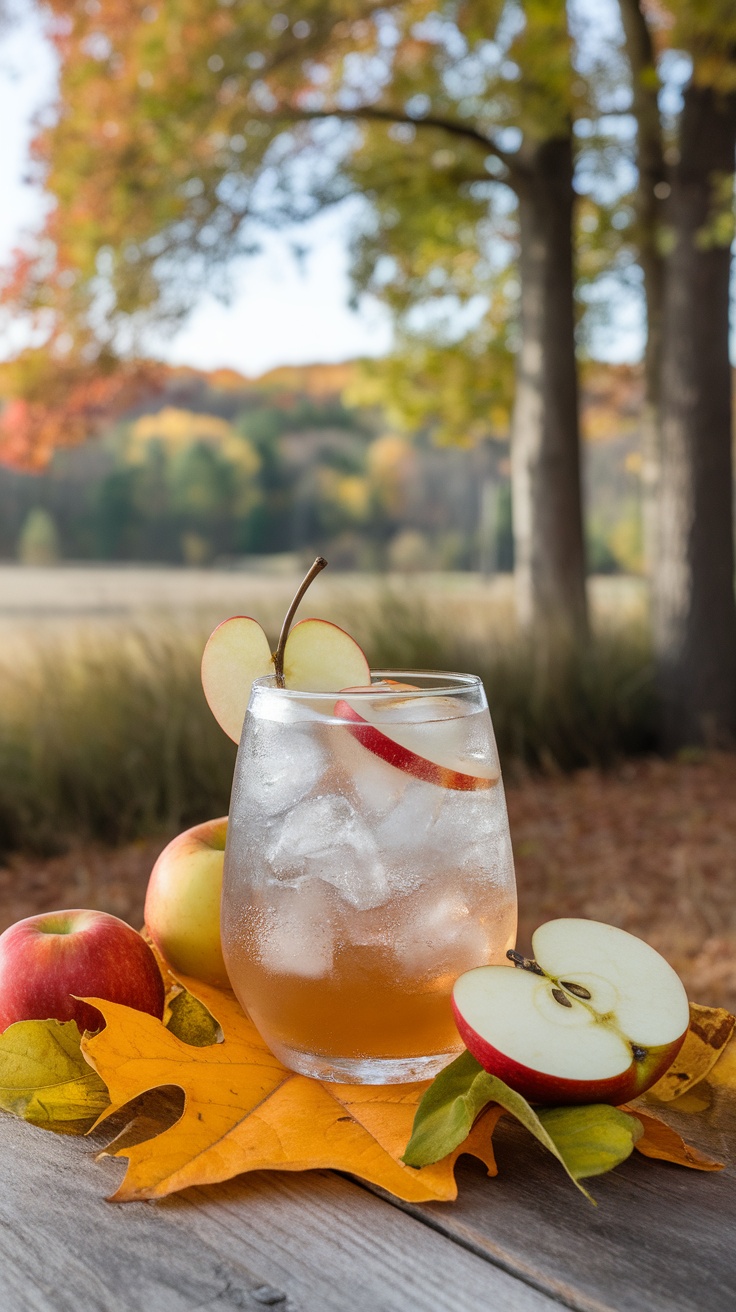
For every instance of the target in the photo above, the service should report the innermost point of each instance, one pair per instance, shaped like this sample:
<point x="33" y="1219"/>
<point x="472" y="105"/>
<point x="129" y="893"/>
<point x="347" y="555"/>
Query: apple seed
<point x="577" y="990"/>
<point x="560" y="997"/>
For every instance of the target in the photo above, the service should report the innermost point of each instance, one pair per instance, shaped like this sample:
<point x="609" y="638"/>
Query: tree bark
<point x="651" y="192"/>
<point x="545" y="446"/>
<point x="694" y="613"/>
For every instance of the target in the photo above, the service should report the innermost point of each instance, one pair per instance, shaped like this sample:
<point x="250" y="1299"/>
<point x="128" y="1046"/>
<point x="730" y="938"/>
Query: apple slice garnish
<point x="319" y="656"/>
<point x="314" y="656"/>
<point x="236" y="653"/>
<point x="424" y="736"/>
<point x="596" y="1017"/>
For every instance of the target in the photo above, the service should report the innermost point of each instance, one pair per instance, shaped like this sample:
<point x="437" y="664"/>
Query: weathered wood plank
<point x="661" y="1238"/>
<point x="313" y="1235"/>
<point x="306" y="1242"/>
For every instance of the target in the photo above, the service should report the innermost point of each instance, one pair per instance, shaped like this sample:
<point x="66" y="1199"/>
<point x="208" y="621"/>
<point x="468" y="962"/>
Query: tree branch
<point x="375" y="114"/>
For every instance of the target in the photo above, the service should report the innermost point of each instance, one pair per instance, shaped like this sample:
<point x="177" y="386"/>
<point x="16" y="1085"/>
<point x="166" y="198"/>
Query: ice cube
<point x="434" y="832"/>
<point x="325" y="838"/>
<point x="471" y="830"/>
<point x="283" y="766"/>
<point x="271" y="705"/>
<point x="374" y="784"/>
<point x="412" y="819"/>
<point x="442" y="934"/>
<point x="295" y="936"/>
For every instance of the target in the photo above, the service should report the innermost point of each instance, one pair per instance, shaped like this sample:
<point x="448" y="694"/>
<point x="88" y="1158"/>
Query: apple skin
<point x="182" y="911"/>
<point x="403" y="758"/>
<point x="555" y="1090"/>
<point x="49" y="962"/>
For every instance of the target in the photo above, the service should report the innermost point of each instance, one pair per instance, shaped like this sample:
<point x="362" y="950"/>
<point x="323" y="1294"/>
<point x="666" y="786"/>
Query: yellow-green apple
<point x="596" y="1016"/>
<point x="424" y="736"/>
<point x="318" y="656"/>
<point x="182" y="911"/>
<point x="49" y="962"/>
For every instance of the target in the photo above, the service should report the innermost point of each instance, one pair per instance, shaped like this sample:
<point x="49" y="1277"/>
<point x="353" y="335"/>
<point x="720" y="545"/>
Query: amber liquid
<point x="354" y="893"/>
<point x="367" y="1006"/>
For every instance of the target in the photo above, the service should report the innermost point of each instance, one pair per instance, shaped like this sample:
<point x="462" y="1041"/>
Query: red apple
<point x="597" y="1017"/>
<point x="48" y="962"/>
<point x="183" y="902"/>
<point x="424" y="736"/>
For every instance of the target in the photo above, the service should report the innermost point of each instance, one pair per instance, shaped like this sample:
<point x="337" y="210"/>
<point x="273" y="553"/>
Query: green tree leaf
<point x="43" y="1076"/>
<point x="586" y="1140"/>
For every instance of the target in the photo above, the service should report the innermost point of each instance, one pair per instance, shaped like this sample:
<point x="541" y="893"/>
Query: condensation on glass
<point x="356" y="892"/>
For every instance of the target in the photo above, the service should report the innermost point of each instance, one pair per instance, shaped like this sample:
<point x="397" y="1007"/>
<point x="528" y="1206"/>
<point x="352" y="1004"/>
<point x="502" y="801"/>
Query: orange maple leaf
<point x="244" y="1111"/>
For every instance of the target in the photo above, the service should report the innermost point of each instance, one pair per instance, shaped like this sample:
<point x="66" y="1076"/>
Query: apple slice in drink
<point x="424" y="736"/>
<point x="317" y="657"/>
<point x="597" y="1016"/>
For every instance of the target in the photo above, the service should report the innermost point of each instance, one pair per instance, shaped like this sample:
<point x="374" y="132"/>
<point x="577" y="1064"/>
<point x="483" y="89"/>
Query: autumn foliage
<point x="73" y="407"/>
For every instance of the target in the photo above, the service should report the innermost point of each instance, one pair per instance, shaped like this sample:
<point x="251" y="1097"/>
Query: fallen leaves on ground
<point x="206" y="1100"/>
<point x="244" y="1111"/>
<point x="44" y="1077"/>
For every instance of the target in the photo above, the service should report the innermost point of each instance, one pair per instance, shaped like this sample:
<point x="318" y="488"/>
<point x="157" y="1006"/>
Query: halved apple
<point x="318" y="657"/>
<point x="424" y="736"/>
<point x="597" y="1016"/>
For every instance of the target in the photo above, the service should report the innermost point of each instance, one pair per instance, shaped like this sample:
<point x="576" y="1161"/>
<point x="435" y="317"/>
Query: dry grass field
<point x="106" y="749"/>
<point x="35" y="600"/>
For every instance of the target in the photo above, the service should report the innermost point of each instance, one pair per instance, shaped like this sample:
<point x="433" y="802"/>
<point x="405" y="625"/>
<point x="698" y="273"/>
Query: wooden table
<point x="662" y="1239"/>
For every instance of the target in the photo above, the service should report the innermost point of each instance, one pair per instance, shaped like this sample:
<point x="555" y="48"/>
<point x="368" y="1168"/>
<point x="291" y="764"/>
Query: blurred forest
<point x="214" y="469"/>
<point x="521" y="172"/>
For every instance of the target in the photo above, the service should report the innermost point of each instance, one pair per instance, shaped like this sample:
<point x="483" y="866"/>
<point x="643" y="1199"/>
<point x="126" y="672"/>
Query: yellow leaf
<point x="709" y="1033"/>
<point x="661" y="1141"/>
<point x="244" y="1111"/>
<point x="44" y="1078"/>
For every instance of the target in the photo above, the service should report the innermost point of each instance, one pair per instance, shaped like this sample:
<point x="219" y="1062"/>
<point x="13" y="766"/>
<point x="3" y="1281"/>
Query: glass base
<point x="363" y="1070"/>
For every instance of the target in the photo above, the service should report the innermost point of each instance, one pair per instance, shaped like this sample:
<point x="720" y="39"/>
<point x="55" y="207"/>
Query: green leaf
<point x="593" y="1139"/>
<point x="446" y="1114"/>
<point x="585" y="1140"/>
<point x="43" y="1076"/>
<point x="190" y="1021"/>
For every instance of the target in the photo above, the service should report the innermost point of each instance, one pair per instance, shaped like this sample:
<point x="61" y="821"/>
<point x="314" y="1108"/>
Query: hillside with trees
<point x="217" y="469"/>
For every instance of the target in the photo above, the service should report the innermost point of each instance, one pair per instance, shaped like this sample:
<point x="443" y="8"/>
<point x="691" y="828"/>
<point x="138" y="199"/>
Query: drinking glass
<point x="368" y="864"/>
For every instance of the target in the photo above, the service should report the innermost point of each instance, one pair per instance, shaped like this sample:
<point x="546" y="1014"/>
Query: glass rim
<point x="449" y="683"/>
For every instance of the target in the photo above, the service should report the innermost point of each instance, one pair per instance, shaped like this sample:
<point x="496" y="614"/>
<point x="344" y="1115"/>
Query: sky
<point x="282" y="311"/>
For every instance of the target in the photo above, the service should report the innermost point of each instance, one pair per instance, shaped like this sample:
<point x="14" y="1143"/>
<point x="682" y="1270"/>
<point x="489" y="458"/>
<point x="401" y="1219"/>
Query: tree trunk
<point x="545" y="449"/>
<point x="694" y="614"/>
<point x="650" y="194"/>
